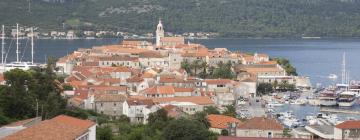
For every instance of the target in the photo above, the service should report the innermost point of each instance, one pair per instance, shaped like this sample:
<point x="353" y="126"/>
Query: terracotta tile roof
<point x="135" y="102"/>
<point x="221" y="121"/>
<point x="111" y="80"/>
<point x="184" y="89"/>
<point x="110" y="98"/>
<point x="119" y="58"/>
<point x="103" y="88"/>
<point x="199" y="100"/>
<point x="134" y="79"/>
<point x="160" y="90"/>
<point x="121" y="69"/>
<point x="119" y="49"/>
<point x="147" y="75"/>
<point x="268" y="62"/>
<point x="261" y="123"/>
<point x="150" y="54"/>
<point x="170" y="79"/>
<point x="218" y="81"/>
<point x="353" y="124"/>
<point x="82" y="94"/>
<point x="140" y="97"/>
<point x="173" y="111"/>
<point x="59" y="128"/>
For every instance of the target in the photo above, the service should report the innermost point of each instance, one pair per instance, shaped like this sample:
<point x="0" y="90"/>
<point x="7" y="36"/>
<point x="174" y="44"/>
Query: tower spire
<point x="159" y="33"/>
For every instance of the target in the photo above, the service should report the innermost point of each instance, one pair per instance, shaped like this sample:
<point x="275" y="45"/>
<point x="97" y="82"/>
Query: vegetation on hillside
<point x="230" y="18"/>
<point x="285" y="63"/>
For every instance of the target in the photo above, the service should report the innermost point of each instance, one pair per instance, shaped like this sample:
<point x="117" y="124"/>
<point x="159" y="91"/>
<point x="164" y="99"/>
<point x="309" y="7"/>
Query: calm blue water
<point x="316" y="58"/>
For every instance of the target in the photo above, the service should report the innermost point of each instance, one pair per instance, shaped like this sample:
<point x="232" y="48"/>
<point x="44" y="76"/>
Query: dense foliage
<point x="203" y="70"/>
<point x="230" y="18"/>
<point x="30" y="93"/>
<point x="159" y="127"/>
<point x="285" y="63"/>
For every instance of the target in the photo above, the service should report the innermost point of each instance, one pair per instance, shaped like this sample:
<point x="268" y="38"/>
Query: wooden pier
<point x="332" y="110"/>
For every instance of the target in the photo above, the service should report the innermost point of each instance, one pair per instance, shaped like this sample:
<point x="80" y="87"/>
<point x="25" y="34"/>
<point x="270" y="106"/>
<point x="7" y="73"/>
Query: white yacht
<point x="347" y="99"/>
<point x="18" y="64"/>
<point x="328" y="98"/>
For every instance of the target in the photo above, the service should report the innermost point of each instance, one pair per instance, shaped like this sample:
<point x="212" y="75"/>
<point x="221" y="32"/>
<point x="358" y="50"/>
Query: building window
<point x="101" y="104"/>
<point x="114" y="104"/>
<point x="220" y="85"/>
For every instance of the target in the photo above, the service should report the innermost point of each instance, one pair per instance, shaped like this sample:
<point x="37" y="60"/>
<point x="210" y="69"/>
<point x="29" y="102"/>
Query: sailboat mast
<point x="2" y="44"/>
<point x="17" y="42"/>
<point x="32" y="45"/>
<point x="343" y="75"/>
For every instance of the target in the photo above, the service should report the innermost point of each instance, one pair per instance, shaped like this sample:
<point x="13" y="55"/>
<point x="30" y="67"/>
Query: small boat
<point x="274" y="104"/>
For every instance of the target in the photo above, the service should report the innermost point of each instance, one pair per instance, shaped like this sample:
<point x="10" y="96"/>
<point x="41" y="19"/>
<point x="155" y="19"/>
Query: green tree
<point x="201" y="117"/>
<point x="204" y="66"/>
<point x="185" y="129"/>
<point x="158" y="119"/>
<point x="104" y="133"/>
<point x="211" y="110"/>
<point x="223" y="71"/>
<point x="15" y="100"/>
<point x="230" y="110"/>
<point x="186" y="66"/>
<point x="285" y="63"/>
<point x="264" y="88"/>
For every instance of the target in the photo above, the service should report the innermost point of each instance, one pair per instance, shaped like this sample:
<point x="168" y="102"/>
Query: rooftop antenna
<point x="343" y="75"/>
<point x="32" y="45"/>
<point x="17" y="42"/>
<point x="2" y="44"/>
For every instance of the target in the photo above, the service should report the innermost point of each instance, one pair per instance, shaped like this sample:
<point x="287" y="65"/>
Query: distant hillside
<point x="230" y="18"/>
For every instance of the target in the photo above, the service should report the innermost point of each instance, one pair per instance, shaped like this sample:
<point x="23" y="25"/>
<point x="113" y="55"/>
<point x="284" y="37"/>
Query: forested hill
<point x="230" y="18"/>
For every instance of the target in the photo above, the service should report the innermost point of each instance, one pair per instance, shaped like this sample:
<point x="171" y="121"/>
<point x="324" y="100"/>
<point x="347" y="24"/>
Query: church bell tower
<point x="159" y="33"/>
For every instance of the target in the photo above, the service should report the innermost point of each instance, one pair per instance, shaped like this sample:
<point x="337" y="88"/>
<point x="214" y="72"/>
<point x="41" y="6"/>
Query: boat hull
<point x="328" y="103"/>
<point x="347" y="104"/>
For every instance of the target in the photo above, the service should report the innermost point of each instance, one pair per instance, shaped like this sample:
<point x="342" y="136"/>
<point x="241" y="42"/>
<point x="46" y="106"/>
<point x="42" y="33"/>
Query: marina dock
<point x="331" y="110"/>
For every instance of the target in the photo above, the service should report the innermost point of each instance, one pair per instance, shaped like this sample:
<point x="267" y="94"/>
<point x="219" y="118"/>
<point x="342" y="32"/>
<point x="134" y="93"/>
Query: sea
<point x="316" y="58"/>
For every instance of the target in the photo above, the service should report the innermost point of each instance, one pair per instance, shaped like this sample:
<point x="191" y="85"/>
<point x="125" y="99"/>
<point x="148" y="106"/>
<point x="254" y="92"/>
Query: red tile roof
<point x="160" y="90"/>
<point x="353" y="124"/>
<point x="136" y="101"/>
<point x="61" y="127"/>
<point x="184" y="89"/>
<point x="221" y="121"/>
<point x="134" y="79"/>
<point x="261" y="123"/>
<point x="200" y="100"/>
<point x="110" y="98"/>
